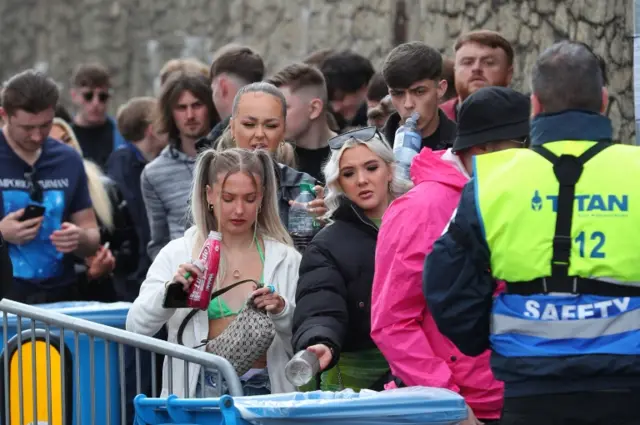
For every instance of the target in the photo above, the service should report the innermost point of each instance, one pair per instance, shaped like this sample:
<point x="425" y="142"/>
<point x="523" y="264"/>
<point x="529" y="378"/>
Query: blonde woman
<point x="116" y="228"/>
<point x="333" y="298"/>
<point x="235" y="193"/>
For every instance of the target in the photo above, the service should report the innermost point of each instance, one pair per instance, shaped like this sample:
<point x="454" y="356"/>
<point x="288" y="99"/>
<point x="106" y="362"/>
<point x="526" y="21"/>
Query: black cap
<point x="492" y="114"/>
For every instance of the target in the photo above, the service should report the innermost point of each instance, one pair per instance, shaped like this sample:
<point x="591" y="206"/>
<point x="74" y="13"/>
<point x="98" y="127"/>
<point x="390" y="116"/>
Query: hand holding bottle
<point x="323" y="353"/>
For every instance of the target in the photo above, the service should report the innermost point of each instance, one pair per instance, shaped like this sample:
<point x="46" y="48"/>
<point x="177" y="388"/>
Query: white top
<point x="147" y="316"/>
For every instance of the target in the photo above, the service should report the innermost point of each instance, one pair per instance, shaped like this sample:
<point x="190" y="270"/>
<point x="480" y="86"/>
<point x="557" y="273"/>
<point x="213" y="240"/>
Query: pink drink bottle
<point x="208" y="262"/>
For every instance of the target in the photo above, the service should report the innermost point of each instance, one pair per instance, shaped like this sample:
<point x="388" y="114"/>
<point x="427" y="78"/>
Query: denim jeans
<point x="254" y="382"/>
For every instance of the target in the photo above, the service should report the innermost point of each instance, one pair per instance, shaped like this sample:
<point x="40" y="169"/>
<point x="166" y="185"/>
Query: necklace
<point x="236" y="272"/>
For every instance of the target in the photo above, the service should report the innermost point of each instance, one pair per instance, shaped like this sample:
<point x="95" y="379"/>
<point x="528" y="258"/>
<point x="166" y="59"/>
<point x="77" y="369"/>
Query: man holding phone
<point x="44" y="199"/>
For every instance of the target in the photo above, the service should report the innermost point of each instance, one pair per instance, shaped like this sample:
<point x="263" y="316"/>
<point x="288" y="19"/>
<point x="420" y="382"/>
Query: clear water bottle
<point x="302" y="368"/>
<point x="407" y="144"/>
<point x="302" y="224"/>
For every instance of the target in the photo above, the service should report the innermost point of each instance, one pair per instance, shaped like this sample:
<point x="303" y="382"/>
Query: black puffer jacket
<point x="333" y="298"/>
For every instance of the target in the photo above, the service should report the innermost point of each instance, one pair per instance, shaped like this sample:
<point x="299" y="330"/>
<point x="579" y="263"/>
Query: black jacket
<point x="123" y="243"/>
<point x="333" y="298"/>
<point x="443" y="137"/>
<point x="125" y="167"/>
<point x="289" y="188"/>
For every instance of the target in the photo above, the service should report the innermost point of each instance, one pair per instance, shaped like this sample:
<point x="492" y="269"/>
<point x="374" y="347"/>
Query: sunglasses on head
<point x="103" y="96"/>
<point x="363" y="134"/>
<point x="35" y="191"/>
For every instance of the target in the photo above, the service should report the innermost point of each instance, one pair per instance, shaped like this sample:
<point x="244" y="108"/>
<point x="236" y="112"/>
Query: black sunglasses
<point x="35" y="191"/>
<point x="364" y="134"/>
<point x="103" y="96"/>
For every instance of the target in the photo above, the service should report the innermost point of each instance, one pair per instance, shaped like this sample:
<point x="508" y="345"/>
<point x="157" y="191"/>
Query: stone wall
<point x="135" y="37"/>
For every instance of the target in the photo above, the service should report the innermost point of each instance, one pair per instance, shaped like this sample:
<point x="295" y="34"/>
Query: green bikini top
<point x="218" y="308"/>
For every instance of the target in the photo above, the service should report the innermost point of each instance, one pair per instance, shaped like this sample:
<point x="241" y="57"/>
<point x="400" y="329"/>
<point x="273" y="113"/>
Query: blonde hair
<point x="285" y="153"/>
<point x="97" y="191"/>
<point x="397" y="187"/>
<point x="211" y="163"/>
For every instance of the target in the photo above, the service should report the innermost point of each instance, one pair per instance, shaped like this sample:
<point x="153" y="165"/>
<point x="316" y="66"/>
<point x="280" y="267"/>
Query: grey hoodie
<point x="166" y="187"/>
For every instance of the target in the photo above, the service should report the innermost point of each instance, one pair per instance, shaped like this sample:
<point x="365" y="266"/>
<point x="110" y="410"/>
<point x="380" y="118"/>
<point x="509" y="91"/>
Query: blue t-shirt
<point x="60" y="173"/>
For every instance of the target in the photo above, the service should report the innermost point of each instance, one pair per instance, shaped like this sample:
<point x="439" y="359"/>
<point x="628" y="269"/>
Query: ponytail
<point x="285" y="154"/>
<point x="202" y="217"/>
<point x="225" y="141"/>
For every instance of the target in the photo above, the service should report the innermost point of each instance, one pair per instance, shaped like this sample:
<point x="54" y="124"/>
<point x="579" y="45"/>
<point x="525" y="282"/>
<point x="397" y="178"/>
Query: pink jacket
<point x="401" y="325"/>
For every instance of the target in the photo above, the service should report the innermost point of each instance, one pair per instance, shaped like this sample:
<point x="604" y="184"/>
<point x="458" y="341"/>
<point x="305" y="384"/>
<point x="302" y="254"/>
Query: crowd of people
<point x="478" y="275"/>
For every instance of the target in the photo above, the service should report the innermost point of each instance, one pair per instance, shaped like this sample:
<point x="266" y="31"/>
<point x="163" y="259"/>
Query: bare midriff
<point x="217" y="326"/>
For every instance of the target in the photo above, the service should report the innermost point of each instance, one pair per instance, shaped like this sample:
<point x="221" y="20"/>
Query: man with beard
<point x="483" y="58"/>
<point x="185" y="113"/>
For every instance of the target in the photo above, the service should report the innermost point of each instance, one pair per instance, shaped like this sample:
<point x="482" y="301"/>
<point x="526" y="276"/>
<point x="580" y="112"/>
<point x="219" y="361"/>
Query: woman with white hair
<point x="333" y="298"/>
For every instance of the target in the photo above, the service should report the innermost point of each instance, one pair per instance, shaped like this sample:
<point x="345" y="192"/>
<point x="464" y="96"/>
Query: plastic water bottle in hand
<point x="302" y="224"/>
<point x="302" y="368"/>
<point x="407" y="144"/>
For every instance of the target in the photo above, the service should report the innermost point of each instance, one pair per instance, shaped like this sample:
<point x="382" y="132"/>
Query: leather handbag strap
<point x="214" y="295"/>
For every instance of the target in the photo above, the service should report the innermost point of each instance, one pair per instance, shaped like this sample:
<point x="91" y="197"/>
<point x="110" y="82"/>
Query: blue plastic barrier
<point x="418" y="405"/>
<point x="110" y="314"/>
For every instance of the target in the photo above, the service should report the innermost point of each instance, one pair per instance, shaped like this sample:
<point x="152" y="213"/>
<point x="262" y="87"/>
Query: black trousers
<point x="586" y="408"/>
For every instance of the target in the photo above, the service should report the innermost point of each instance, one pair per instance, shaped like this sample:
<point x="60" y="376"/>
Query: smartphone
<point x="175" y="296"/>
<point x="32" y="211"/>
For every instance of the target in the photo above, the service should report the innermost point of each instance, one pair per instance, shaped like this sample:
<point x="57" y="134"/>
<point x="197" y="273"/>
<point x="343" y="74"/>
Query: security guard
<point x="560" y="224"/>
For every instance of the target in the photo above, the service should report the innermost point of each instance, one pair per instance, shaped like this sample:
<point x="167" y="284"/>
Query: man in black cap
<point x="491" y="119"/>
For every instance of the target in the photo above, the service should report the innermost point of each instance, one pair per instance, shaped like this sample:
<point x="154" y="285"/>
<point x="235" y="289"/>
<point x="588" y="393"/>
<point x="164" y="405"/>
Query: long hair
<point x="95" y="177"/>
<point x="397" y="187"/>
<point x="177" y="83"/>
<point x="211" y="163"/>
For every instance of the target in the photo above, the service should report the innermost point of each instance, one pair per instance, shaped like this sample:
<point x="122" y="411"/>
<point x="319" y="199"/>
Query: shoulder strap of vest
<point x="567" y="169"/>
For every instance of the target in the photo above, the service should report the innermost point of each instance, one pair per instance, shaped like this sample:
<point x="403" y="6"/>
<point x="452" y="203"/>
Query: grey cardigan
<point x="166" y="188"/>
